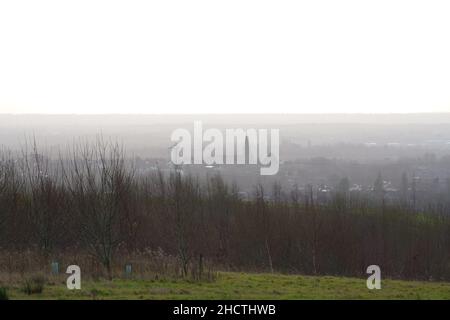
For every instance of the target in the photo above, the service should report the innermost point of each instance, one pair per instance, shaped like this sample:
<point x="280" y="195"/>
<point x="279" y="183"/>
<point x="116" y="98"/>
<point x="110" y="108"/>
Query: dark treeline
<point x="93" y="202"/>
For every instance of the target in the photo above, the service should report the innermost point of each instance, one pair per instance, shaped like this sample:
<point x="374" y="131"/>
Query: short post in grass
<point x="128" y="270"/>
<point x="55" y="268"/>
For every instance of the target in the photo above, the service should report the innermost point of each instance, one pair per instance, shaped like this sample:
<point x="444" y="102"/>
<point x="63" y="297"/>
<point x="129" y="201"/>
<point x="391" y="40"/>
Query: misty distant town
<point x="407" y="157"/>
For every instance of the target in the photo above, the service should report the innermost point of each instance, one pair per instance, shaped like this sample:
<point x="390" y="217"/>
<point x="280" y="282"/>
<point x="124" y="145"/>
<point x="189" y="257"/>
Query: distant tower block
<point x="247" y="151"/>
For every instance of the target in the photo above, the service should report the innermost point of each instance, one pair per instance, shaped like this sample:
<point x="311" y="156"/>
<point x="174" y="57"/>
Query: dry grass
<point x="28" y="267"/>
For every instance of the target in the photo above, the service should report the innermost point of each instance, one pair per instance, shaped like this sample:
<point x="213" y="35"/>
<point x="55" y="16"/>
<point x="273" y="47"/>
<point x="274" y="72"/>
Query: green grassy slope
<point x="242" y="286"/>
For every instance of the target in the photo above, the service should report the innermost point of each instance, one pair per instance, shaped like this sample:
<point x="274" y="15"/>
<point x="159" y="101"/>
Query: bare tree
<point x="263" y="215"/>
<point x="45" y="209"/>
<point x="184" y="194"/>
<point x="100" y="186"/>
<point x="10" y="188"/>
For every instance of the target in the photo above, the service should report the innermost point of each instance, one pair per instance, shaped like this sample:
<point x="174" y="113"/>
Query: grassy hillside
<point x="241" y="286"/>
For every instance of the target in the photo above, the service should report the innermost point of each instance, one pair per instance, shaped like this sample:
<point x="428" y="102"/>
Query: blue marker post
<point x="128" y="271"/>
<point x="55" y="268"/>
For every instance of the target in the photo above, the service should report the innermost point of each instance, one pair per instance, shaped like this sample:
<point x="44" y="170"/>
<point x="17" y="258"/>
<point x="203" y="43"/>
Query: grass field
<point x="241" y="286"/>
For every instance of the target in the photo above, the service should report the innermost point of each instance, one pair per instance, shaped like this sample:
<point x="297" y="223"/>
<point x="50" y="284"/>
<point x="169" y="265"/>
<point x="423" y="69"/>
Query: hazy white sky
<point x="224" y="56"/>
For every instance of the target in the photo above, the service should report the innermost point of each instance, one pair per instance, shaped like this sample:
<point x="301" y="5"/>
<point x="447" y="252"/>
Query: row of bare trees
<point x="91" y="200"/>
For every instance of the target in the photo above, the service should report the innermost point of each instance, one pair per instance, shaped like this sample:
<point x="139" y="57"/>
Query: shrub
<point x="34" y="284"/>
<point x="3" y="294"/>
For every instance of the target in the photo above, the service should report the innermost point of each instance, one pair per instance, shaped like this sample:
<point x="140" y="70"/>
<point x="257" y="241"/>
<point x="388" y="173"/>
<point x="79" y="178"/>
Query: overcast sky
<point x="224" y="56"/>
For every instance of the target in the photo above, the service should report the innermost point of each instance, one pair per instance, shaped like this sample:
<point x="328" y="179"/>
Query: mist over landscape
<point x="317" y="149"/>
